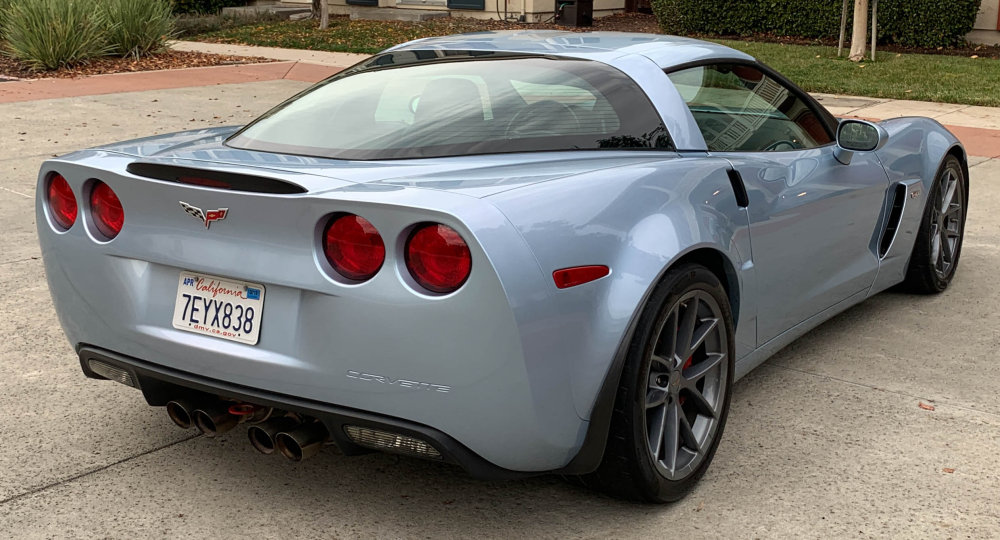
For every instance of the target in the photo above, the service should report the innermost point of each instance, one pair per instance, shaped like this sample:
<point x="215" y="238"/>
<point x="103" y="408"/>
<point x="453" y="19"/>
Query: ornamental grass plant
<point x="49" y="34"/>
<point x="136" y="27"/>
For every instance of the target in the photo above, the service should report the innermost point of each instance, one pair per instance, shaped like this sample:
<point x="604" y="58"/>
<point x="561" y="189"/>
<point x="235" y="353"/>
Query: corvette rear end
<point x="204" y="294"/>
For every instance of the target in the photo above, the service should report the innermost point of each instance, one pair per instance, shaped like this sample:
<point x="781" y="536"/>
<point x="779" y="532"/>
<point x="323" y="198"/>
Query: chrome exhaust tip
<point x="215" y="419"/>
<point x="303" y="442"/>
<point x="262" y="435"/>
<point x="180" y="412"/>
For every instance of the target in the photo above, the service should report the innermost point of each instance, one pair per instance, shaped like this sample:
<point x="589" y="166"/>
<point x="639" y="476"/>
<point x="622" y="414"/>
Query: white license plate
<point x="219" y="307"/>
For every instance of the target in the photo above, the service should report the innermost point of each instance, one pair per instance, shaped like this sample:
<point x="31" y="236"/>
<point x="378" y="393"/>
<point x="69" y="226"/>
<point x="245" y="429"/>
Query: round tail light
<point x="438" y="258"/>
<point x="353" y="247"/>
<point x="62" y="202"/>
<point x="109" y="216"/>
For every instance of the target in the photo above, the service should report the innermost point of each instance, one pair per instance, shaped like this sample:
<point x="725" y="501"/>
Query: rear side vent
<point x="213" y="179"/>
<point x="898" y="197"/>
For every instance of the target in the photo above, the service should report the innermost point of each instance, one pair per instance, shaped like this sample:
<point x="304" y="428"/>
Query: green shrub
<point x="48" y="34"/>
<point x="924" y="23"/>
<point x="806" y="18"/>
<point x="136" y="27"/>
<point x="205" y="6"/>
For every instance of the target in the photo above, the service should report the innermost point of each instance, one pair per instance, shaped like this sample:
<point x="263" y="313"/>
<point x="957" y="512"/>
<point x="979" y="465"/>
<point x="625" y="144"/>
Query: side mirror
<point x="858" y="136"/>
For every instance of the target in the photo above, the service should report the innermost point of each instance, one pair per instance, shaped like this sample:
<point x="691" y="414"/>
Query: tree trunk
<point x="859" y="34"/>
<point x="321" y="11"/>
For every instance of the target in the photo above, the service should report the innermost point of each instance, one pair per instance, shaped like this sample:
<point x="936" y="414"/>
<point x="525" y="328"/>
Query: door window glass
<point x="739" y="108"/>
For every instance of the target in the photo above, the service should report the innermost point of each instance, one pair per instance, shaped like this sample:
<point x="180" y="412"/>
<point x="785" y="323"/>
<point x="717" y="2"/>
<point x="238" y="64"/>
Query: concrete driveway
<point x="827" y="439"/>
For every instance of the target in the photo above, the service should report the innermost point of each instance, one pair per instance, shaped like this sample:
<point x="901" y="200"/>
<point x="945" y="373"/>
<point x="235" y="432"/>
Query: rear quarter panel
<point x="637" y="221"/>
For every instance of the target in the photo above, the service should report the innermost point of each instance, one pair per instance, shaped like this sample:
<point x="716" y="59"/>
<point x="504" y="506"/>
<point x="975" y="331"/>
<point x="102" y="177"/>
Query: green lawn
<point x="940" y="78"/>
<point x="344" y="35"/>
<point x="925" y="77"/>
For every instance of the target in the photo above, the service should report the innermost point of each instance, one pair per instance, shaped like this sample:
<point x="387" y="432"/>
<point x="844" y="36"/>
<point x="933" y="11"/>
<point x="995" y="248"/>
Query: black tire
<point x="931" y="270"/>
<point x="629" y="469"/>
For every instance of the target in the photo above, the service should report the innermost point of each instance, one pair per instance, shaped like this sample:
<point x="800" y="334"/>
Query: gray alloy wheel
<point x="947" y="222"/>
<point x="939" y="240"/>
<point x="687" y="375"/>
<point x="674" y="391"/>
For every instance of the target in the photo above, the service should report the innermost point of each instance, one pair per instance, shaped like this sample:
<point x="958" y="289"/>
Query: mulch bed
<point x="12" y="69"/>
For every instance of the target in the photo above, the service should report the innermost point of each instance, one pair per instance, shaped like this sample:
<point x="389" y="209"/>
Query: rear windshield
<point x="386" y="109"/>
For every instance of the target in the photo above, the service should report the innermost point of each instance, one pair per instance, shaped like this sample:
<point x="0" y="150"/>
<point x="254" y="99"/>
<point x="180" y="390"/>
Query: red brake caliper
<point x="686" y="365"/>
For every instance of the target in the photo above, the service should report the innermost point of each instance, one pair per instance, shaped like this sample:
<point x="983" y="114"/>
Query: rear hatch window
<point x="458" y="106"/>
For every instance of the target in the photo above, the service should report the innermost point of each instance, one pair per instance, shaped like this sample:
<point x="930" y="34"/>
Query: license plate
<point x="219" y="307"/>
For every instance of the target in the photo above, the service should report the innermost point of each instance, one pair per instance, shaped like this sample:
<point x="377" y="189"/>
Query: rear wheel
<point x="674" y="394"/>
<point x="939" y="240"/>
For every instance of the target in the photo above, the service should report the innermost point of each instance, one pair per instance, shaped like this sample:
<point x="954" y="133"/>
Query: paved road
<point x="825" y="440"/>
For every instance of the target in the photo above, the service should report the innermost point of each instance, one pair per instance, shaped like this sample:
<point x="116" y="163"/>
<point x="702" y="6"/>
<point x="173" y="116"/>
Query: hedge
<point x="210" y="7"/>
<point x="926" y="23"/>
<point x="918" y="23"/>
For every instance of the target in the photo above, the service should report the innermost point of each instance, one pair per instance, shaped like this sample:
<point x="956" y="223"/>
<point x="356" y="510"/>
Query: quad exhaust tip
<point x="262" y="435"/>
<point x="215" y="420"/>
<point x="271" y="430"/>
<point x="180" y="412"/>
<point x="303" y="442"/>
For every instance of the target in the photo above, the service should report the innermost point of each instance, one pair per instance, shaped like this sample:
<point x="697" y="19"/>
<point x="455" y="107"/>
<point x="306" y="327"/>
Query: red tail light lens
<point x="354" y="247"/>
<point x="438" y="258"/>
<point x="109" y="216"/>
<point x="62" y="202"/>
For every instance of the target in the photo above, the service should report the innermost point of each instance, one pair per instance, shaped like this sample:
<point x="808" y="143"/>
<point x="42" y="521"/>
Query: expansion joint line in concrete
<point x="880" y="389"/>
<point x="29" y="259"/>
<point x="69" y="479"/>
<point x="17" y="192"/>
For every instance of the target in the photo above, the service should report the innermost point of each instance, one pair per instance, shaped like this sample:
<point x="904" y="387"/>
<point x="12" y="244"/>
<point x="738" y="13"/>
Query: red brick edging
<point x="17" y="91"/>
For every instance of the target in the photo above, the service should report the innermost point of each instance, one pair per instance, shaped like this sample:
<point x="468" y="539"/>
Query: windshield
<point x="386" y="109"/>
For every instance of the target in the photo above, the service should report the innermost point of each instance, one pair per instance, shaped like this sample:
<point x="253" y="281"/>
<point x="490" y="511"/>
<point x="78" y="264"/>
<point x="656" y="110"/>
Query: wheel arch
<point x="588" y="459"/>
<point x="720" y="265"/>
<point x="959" y="153"/>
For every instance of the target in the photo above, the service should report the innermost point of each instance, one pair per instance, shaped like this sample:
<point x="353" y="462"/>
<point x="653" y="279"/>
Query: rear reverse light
<point x="386" y="441"/>
<point x="114" y="373"/>
<point x="578" y="275"/>
<point x="438" y="258"/>
<point x="109" y="216"/>
<point x="62" y="202"/>
<point x="353" y="247"/>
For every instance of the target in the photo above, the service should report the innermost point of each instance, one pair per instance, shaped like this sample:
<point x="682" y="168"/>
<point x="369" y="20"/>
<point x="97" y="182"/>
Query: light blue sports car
<point x="517" y="252"/>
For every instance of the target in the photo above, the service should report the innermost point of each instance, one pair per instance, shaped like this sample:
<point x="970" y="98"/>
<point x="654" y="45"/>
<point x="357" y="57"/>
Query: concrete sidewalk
<point x="294" y="55"/>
